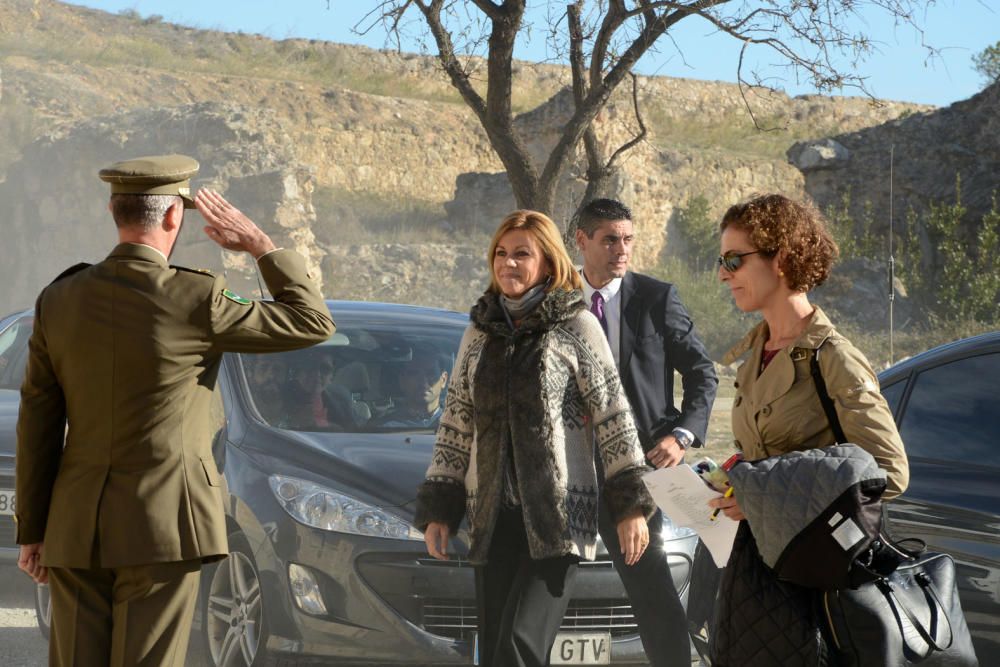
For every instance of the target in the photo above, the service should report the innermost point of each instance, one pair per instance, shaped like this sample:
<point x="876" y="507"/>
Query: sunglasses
<point x="732" y="261"/>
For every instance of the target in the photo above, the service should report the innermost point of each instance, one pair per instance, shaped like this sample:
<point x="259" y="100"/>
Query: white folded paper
<point x="683" y="497"/>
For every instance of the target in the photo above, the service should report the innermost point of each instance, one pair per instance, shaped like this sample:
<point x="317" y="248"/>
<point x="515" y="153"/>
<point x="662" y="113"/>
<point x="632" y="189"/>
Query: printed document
<point x="683" y="497"/>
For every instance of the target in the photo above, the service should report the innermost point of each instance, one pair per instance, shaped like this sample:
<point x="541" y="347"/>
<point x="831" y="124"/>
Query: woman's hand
<point x="436" y="538"/>
<point x="633" y="536"/>
<point x="728" y="506"/>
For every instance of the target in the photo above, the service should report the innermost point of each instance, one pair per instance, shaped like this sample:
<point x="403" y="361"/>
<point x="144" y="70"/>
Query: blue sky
<point x="901" y="71"/>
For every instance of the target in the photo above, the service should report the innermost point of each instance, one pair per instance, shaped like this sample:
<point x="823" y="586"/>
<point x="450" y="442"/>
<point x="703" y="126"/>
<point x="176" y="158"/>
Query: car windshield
<point x="374" y="376"/>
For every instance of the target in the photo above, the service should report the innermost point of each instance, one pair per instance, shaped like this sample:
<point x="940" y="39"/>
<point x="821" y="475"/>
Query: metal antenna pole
<point x="892" y="260"/>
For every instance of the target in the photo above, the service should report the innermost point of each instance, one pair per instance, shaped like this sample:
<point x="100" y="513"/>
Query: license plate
<point x="6" y="502"/>
<point x="581" y="648"/>
<point x="571" y="648"/>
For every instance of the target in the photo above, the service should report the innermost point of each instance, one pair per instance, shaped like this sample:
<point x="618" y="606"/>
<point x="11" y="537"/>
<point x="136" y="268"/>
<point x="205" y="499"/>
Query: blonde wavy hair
<point x="564" y="275"/>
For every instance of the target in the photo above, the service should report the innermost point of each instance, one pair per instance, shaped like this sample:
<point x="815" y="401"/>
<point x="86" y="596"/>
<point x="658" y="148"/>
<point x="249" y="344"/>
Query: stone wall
<point x="929" y="150"/>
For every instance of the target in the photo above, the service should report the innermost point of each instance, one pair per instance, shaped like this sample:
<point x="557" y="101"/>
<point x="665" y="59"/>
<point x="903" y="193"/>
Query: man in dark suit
<point x="651" y="336"/>
<point x="119" y="512"/>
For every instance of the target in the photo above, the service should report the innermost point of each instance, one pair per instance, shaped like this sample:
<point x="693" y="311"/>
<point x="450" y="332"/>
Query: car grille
<point x="456" y="618"/>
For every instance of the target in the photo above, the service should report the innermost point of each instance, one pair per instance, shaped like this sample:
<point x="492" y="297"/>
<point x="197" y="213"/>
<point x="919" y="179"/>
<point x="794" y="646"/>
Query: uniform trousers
<point x="521" y="601"/>
<point x="663" y="625"/>
<point x="122" y="617"/>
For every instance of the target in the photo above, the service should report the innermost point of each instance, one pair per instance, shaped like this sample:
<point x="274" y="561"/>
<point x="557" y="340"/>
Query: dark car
<point x="947" y="404"/>
<point x="14" y="332"/>
<point x="322" y="451"/>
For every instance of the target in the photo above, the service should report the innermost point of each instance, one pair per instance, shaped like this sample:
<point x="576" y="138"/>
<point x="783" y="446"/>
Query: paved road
<point x="21" y="644"/>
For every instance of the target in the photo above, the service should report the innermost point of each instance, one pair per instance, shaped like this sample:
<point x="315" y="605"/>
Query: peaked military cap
<point x="153" y="175"/>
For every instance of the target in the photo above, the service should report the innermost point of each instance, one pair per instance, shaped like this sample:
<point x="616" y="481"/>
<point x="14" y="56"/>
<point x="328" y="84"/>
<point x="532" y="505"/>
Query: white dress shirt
<point x="612" y="311"/>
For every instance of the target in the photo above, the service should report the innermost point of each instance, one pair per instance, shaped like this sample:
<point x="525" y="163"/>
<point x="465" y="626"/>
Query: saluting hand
<point x="229" y="227"/>
<point x="30" y="561"/>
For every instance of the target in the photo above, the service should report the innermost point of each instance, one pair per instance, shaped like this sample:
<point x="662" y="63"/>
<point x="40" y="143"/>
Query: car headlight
<point x="326" y="509"/>
<point x="671" y="532"/>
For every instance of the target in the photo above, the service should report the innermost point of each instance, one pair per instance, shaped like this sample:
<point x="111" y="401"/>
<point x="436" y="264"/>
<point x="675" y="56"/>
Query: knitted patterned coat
<point x="541" y="393"/>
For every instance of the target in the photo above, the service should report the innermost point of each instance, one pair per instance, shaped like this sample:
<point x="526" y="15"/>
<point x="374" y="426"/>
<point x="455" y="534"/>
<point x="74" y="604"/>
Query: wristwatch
<point x="684" y="437"/>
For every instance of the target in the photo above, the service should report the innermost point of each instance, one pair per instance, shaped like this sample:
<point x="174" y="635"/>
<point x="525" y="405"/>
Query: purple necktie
<point x="597" y="308"/>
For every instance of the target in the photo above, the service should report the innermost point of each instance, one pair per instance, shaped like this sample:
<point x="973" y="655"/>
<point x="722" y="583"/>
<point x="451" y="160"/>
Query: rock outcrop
<point x="929" y="150"/>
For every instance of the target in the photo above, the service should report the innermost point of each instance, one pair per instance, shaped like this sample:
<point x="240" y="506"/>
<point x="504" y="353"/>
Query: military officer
<point x="126" y="352"/>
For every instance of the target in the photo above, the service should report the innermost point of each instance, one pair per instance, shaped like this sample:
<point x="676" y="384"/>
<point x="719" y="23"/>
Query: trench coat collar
<point x="780" y="373"/>
<point x="138" y="251"/>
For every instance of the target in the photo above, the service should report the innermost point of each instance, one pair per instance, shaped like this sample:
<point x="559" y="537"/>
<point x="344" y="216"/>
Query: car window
<point x="954" y="411"/>
<point x="894" y="394"/>
<point x="14" y="352"/>
<point x="379" y="377"/>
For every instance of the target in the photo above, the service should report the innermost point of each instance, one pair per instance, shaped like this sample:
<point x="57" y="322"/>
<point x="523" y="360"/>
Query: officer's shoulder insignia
<point x="232" y="296"/>
<point x="76" y="268"/>
<point x="201" y="272"/>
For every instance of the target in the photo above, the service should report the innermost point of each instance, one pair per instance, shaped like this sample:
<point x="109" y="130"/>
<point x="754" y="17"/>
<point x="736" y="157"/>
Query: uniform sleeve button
<point x="766" y="410"/>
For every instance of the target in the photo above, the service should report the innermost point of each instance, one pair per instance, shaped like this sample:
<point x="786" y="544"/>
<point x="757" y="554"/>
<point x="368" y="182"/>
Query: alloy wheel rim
<point x="233" y="617"/>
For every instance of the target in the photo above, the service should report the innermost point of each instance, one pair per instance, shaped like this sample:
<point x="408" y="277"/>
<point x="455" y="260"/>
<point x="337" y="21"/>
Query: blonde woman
<point x="533" y="391"/>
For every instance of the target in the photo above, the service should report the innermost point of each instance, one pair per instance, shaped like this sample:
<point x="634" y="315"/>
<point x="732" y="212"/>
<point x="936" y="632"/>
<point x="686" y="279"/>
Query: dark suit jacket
<point x="127" y="352"/>
<point x="657" y="338"/>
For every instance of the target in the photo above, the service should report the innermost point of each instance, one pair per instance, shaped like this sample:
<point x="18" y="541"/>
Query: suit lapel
<point x="631" y="311"/>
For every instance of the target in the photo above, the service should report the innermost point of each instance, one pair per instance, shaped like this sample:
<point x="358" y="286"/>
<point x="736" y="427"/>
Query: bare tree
<point x="603" y="40"/>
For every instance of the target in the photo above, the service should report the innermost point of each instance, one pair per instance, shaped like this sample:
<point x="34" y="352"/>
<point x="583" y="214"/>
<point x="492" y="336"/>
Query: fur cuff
<point x="440" y="501"/>
<point x="625" y="493"/>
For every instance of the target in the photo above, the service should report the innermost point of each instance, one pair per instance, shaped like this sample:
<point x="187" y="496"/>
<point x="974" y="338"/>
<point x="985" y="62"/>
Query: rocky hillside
<point x="929" y="151"/>
<point x="366" y="160"/>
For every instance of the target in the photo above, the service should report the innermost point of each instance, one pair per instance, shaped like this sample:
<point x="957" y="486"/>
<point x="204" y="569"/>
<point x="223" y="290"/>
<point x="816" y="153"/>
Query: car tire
<point x="234" y="622"/>
<point x="43" y="609"/>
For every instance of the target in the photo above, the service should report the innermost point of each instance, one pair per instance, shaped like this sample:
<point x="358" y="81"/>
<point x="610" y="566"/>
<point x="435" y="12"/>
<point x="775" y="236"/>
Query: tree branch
<point x="638" y="117"/>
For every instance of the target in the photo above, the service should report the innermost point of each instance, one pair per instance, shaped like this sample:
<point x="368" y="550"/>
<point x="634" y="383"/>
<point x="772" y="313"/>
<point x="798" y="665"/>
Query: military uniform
<point x="778" y="411"/>
<point x="127" y="351"/>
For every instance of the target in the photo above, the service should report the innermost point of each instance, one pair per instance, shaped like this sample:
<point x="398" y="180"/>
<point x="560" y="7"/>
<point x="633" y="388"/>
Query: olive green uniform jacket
<point x="779" y="411"/>
<point x="122" y="365"/>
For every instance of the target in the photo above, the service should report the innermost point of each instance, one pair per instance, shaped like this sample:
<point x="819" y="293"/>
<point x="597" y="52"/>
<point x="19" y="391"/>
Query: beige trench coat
<point x="779" y="411"/>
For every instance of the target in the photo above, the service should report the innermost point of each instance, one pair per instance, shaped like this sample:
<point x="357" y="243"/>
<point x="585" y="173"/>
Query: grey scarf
<point x="524" y="304"/>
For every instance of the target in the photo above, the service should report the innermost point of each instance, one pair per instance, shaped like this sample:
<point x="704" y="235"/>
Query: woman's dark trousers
<point x="657" y="607"/>
<point x="521" y="601"/>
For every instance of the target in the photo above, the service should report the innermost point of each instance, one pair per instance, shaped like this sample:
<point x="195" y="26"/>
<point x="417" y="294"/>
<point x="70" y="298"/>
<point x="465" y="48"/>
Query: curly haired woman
<point x="773" y="252"/>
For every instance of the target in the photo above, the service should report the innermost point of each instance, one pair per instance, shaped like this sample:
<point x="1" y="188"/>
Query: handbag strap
<point x="937" y="610"/>
<point x="824" y="398"/>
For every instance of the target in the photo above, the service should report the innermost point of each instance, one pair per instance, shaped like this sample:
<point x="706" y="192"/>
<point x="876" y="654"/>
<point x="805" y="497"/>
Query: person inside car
<point x="307" y="405"/>
<point x="267" y="374"/>
<point x="422" y="380"/>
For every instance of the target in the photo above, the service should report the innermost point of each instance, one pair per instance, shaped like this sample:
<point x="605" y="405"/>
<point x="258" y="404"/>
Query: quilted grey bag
<point x="813" y="512"/>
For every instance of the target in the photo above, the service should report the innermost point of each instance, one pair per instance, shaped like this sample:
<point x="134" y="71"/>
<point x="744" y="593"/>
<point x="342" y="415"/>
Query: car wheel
<point x="234" y="623"/>
<point x="43" y="608"/>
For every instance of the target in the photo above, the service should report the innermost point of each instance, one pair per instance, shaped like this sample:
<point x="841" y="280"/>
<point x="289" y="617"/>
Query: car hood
<point x="384" y="467"/>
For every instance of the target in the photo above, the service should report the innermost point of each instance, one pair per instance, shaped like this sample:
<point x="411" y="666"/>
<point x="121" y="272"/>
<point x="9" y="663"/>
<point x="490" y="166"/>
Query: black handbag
<point x="911" y="615"/>
<point x="907" y="610"/>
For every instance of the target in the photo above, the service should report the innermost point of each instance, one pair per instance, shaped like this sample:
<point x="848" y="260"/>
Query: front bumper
<point x="388" y="603"/>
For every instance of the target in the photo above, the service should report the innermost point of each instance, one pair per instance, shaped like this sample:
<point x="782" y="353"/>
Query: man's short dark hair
<point x="598" y="211"/>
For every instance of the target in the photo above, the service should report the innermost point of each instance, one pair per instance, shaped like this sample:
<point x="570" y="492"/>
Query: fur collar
<point x="557" y="307"/>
